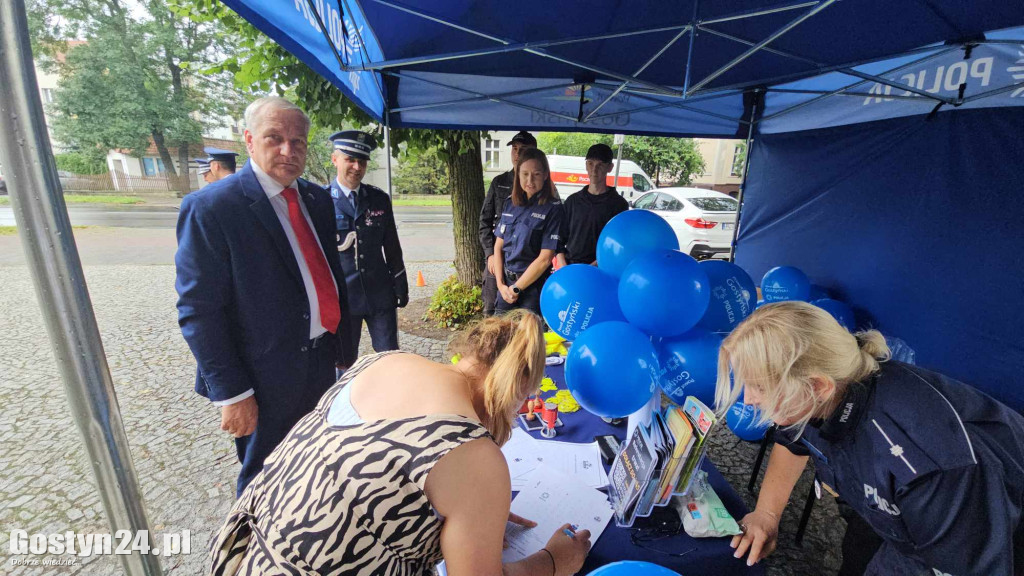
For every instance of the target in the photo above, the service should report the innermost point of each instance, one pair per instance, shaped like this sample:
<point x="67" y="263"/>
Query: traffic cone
<point x="419" y="279"/>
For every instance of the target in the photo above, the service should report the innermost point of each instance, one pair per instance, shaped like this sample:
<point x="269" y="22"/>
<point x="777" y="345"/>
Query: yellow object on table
<point x="554" y="343"/>
<point x="565" y="401"/>
<point x="547" y="385"/>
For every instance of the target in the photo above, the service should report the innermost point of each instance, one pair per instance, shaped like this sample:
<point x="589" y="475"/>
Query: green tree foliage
<point x="81" y="163"/>
<point x="260" y="65"/>
<point x="421" y="172"/>
<point x="668" y="160"/>
<point x="133" y="79"/>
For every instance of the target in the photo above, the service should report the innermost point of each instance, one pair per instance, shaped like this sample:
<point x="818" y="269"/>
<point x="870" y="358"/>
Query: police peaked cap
<point x="203" y="164"/>
<point x="354" y="143"/>
<point x="220" y="155"/>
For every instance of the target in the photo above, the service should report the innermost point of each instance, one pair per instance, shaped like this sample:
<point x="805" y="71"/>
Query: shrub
<point x="81" y="163"/>
<point x="454" y="304"/>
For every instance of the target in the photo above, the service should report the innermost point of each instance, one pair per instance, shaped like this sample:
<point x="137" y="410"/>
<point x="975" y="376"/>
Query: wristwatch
<point x="515" y="289"/>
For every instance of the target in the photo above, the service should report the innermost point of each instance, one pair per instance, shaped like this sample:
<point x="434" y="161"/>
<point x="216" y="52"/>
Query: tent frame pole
<point x="387" y="147"/>
<point x="743" y="183"/>
<point x="485" y="96"/>
<point x="478" y="98"/>
<point x="856" y="84"/>
<point x="56" y="269"/>
<point x="637" y="73"/>
<point x="755" y="48"/>
<point x="512" y="47"/>
<point x="538" y="51"/>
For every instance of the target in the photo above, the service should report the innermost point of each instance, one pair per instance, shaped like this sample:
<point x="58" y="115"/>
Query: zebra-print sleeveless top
<point x="343" y="499"/>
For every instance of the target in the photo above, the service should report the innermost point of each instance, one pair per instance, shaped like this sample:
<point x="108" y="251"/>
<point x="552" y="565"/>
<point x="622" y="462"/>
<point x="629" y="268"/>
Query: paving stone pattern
<point x="185" y="464"/>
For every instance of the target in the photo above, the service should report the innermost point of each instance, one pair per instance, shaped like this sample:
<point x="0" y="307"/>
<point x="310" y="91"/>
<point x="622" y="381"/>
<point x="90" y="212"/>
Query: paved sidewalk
<point x="186" y="465"/>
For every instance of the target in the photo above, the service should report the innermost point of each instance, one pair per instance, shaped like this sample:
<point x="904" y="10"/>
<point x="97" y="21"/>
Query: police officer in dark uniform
<point x="933" y="466"/>
<point x="371" y="256"/>
<point x="218" y="165"/>
<point x="497" y="193"/>
<point x="587" y="211"/>
<point x="528" y="234"/>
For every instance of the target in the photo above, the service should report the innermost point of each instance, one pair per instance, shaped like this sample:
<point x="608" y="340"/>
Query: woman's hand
<point x="760" y="533"/>
<point x="507" y="294"/>
<point x="568" y="552"/>
<point x="517" y="519"/>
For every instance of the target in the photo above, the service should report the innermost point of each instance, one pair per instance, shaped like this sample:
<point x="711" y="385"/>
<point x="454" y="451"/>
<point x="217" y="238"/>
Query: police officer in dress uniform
<point x="497" y="193"/>
<point x="371" y="256"/>
<point x="218" y="165"/>
<point x="934" y="467"/>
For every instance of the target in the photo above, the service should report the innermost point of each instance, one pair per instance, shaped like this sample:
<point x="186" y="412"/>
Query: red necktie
<point x="326" y="292"/>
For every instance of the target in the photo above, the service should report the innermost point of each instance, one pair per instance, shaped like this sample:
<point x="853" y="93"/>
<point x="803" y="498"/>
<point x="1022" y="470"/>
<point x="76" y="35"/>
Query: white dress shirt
<point x="348" y="192"/>
<point x="272" y="188"/>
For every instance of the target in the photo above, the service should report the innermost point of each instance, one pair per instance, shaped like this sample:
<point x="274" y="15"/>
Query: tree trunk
<point x="466" y="175"/>
<point x="165" y="155"/>
<point x="184" y="183"/>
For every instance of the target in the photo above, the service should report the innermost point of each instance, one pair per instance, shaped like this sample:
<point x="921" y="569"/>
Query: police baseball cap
<point x="523" y="137"/>
<point x="600" y="152"/>
<point x="354" y="143"/>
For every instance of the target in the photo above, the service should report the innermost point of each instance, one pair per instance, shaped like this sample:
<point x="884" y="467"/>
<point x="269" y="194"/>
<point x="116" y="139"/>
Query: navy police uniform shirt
<point x="499" y="191"/>
<point x="934" y="466"/>
<point x="528" y="229"/>
<point x="371" y="259"/>
<point x="585" y="217"/>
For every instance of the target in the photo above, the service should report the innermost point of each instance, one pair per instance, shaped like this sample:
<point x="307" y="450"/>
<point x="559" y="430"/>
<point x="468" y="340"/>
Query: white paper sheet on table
<point x="524" y="453"/>
<point x="552" y="499"/>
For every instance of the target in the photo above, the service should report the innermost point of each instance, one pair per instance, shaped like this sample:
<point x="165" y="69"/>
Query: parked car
<point x="569" y="175"/>
<point x="704" y="220"/>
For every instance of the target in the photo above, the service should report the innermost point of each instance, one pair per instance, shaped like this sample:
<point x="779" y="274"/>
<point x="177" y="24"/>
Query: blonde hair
<point x="779" y="351"/>
<point x="512" y="348"/>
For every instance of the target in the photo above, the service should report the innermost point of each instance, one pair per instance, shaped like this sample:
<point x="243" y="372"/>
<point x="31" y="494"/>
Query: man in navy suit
<point x="262" y="301"/>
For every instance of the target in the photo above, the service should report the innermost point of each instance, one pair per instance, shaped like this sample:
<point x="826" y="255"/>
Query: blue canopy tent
<point x="886" y="135"/>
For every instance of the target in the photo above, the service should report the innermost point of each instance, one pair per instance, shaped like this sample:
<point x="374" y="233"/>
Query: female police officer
<point x="527" y="234"/>
<point x="934" y="466"/>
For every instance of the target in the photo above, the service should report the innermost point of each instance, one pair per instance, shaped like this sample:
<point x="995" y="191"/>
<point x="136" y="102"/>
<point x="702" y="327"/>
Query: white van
<point x="569" y="174"/>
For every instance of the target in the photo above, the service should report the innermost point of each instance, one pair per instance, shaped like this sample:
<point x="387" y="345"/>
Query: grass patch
<point x="91" y="199"/>
<point x="410" y="200"/>
<point x="13" y="230"/>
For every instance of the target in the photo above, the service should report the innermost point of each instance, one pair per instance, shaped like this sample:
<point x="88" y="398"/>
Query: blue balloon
<point x="840" y="311"/>
<point x="664" y="292"/>
<point x="742" y="419"/>
<point x="733" y="296"/>
<point x="816" y="293"/>
<point x="689" y="365"/>
<point x="612" y="369"/>
<point x="630" y="234"/>
<point x="577" y="297"/>
<point x="785" y="283"/>
<point x="632" y="568"/>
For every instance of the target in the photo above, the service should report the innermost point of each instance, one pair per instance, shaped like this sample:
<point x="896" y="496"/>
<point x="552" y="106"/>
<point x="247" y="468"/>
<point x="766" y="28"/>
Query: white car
<point x="704" y="220"/>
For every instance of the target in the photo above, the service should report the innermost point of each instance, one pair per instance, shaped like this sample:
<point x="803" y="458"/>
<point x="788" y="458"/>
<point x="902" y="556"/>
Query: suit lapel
<point x="265" y="213"/>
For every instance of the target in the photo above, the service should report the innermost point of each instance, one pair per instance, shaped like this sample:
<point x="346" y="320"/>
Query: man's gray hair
<point x="255" y="112"/>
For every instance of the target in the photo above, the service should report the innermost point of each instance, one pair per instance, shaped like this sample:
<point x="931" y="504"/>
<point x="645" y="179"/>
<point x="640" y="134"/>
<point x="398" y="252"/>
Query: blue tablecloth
<point x="704" y="556"/>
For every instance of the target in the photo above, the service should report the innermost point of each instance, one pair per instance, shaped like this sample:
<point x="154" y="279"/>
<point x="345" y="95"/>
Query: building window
<point x="153" y="166"/>
<point x="738" y="158"/>
<point x="491" y="151"/>
<point x="47" y="95"/>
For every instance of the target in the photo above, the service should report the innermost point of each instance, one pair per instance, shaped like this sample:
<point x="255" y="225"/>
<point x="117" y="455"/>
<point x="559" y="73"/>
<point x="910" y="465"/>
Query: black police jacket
<point x="499" y="191"/>
<point x="370" y="254"/>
